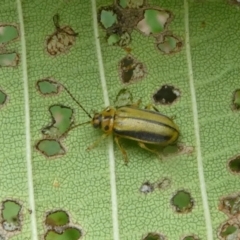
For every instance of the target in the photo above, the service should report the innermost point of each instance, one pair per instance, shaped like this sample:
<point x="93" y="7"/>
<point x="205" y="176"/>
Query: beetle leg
<point x="136" y="104"/>
<point x="122" y="150"/>
<point x="142" y="145"/>
<point x="149" y="106"/>
<point x="97" y="142"/>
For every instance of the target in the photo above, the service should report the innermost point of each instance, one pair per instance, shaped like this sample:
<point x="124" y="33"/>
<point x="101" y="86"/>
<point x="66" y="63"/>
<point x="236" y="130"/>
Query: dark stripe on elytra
<point x="141" y="135"/>
<point x="152" y="121"/>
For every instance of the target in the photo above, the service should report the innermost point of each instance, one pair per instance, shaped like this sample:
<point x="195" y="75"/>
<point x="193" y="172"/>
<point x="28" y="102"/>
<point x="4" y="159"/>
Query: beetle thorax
<point x="104" y="120"/>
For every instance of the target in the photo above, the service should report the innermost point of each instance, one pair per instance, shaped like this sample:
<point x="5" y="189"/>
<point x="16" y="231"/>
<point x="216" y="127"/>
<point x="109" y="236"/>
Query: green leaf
<point x="61" y="62"/>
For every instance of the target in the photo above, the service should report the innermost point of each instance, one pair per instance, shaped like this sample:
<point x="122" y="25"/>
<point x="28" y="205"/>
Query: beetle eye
<point x="97" y="121"/>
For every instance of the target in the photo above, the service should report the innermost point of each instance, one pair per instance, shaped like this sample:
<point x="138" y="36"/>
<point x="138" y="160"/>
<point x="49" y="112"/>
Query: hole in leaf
<point x="48" y="87"/>
<point x="68" y="233"/>
<point x="11" y="215"/>
<point x="50" y="147"/>
<point x="166" y="95"/>
<point x="169" y="44"/>
<point x="108" y="18"/>
<point x="234" y="164"/>
<point x="57" y="218"/>
<point x="154" y="21"/>
<point x="118" y="23"/>
<point x="154" y="236"/>
<point x="147" y="187"/>
<point x="61" y="40"/>
<point x="131" y="70"/>
<point x="182" y="202"/>
<point x="9" y="59"/>
<point x="61" y="121"/>
<point x="8" y="33"/>
<point x="230" y="205"/>
<point x="229" y="230"/>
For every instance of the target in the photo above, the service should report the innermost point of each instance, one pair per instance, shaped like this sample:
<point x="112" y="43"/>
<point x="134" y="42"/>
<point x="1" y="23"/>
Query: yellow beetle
<point x="142" y="125"/>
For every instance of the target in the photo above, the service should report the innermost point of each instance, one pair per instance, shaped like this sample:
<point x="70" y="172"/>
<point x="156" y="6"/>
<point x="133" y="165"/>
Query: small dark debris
<point x="147" y="187"/>
<point x="131" y="70"/>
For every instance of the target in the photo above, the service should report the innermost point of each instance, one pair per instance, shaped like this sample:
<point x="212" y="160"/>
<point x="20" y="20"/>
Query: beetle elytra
<point x="144" y="126"/>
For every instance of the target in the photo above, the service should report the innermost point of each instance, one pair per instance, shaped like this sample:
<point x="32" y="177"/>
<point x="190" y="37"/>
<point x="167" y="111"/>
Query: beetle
<point x="145" y="126"/>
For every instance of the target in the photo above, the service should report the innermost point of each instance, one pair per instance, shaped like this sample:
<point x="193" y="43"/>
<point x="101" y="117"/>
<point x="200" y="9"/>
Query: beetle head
<point x="97" y="120"/>
<point x="104" y="119"/>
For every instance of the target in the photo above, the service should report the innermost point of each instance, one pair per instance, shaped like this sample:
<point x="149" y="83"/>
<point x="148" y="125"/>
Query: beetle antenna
<point x="71" y="128"/>
<point x="78" y="125"/>
<point x="77" y="102"/>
